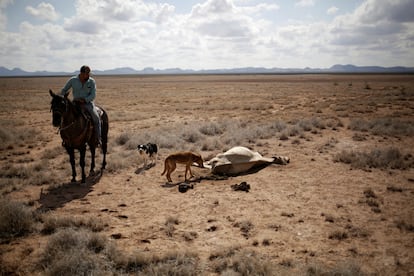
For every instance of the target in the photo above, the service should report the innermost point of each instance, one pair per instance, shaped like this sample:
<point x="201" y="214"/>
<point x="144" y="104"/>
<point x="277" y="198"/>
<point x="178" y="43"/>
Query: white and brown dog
<point x="148" y="151"/>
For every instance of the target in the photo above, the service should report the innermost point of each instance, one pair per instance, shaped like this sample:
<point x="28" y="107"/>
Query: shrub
<point x="243" y="262"/>
<point x="383" y="126"/>
<point x="53" y="222"/>
<point x="211" y="129"/>
<point x="376" y="158"/>
<point x="173" y="263"/>
<point x="74" y="252"/>
<point x="15" y="219"/>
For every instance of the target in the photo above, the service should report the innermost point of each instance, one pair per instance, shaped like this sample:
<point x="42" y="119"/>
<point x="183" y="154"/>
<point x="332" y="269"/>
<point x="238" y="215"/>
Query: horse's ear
<point x="66" y="96"/>
<point x="51" y="93"/>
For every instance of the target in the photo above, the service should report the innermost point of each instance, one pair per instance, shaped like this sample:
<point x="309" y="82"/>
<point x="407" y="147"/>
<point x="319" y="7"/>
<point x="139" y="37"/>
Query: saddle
<point x="80" y="105"/>
<point x="84" y="112"/>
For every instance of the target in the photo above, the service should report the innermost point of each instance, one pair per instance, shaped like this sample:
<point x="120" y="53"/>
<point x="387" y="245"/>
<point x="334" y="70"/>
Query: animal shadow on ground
<point x="57" y="197"/>
<point x="196" y="179"/>
<point x="143" y="168"/>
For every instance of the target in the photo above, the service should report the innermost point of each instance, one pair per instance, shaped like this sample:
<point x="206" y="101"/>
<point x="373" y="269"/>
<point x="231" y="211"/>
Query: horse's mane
<point x="74" y="106"/>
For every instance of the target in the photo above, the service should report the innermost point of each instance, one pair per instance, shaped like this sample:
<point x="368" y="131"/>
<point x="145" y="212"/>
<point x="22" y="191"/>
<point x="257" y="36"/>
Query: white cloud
<point x="391" y="10"/>
<point x="332" y="10"/>
<point x="3" y="15"/>
<point x="216" y="34"/>
<point x="376" y="33"/>
<point x="5" y="3"/>
<point x="43" y="11"/>
<point x="305" y="3"/>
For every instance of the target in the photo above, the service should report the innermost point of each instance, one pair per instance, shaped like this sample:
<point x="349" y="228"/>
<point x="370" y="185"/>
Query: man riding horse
<point x="75" y="126"/>
<point x="84" y="92"/>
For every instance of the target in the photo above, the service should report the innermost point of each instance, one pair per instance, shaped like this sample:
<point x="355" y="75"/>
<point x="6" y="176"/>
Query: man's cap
<point x="85" y="69"/>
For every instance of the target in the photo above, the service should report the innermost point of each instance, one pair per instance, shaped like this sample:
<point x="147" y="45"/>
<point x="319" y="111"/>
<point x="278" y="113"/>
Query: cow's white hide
<point x="239" y="160"/>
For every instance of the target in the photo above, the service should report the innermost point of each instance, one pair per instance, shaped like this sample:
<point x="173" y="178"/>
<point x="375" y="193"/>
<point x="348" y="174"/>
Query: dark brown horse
<point x="77" y="131"/>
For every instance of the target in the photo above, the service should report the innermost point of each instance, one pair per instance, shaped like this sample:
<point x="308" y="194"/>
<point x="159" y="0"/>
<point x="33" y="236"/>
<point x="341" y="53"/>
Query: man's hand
<point x="80" y="100"/>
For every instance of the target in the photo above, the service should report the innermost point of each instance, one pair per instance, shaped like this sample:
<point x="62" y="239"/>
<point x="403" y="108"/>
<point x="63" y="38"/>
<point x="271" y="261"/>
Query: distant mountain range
<point x="338" y="68"/>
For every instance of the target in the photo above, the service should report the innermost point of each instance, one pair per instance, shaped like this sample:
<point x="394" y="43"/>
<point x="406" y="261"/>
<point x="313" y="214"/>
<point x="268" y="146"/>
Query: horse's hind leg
<point x="92" y="170"/>
<point x="104" y="149"/>
<point x="82" y="163"/>
<point x="71" y="153"/>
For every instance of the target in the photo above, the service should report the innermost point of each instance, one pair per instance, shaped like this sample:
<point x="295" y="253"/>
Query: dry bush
<point x="170" y="226"/>
<point x="235" y="261"/>
<point x="173" y="263"/>
<point x="338" y="235"/>
<point x="383" y="126"/>
<point x="206" y="136"/>
<point x="245" y="227"/>
<point x="212" y="128"/>
<point x="51" y="223"/>
<point x="51" y="153"/>
<point x="12" y="135"/>
<point x="341" y="269"/>
<point x="145" y="263"/>
<point x="404" y="226"/>
<point x="16" y="219"/>
<point x="119" y="160"/>
<point x="377" y="158"/>
<point x="75" y="252"/>
<point x="13" y="176"/>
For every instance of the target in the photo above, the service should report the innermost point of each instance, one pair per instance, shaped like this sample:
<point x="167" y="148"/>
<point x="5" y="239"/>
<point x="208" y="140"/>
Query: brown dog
<point x="187" y="158"/>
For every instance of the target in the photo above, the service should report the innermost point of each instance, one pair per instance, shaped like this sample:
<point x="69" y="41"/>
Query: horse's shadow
<point x="57" y="197"/>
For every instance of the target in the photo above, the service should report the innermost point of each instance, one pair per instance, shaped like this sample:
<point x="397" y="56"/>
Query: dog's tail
<point x="165" y="167"/>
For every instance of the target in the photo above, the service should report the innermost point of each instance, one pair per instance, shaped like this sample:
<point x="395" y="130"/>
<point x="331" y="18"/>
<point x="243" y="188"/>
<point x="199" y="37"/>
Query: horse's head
<point x="58" y="107"/>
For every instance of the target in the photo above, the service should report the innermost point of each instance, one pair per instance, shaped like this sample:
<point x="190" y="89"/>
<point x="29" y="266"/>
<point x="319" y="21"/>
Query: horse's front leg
<point x="71" y="153"/>
<point x="82" y="153"/>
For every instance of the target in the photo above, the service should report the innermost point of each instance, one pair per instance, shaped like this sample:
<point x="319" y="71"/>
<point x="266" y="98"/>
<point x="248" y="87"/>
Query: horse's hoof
<point x="73" y="180"/>
<point x="92" y="173"/>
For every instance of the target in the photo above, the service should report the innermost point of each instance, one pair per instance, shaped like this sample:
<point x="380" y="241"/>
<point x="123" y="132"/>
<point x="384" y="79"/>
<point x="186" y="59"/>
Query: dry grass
<point x="129" y="223"/>
<point x="51" y="223"/>
<point x="16" y="219"/>
<point x="381" y="158"/>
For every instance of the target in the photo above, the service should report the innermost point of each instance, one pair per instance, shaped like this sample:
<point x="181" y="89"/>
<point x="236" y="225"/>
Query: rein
<point x="66" y="127"/>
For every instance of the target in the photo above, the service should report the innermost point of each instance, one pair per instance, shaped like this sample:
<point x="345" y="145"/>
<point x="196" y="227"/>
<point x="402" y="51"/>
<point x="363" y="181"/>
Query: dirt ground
<point x="312" y="211"/>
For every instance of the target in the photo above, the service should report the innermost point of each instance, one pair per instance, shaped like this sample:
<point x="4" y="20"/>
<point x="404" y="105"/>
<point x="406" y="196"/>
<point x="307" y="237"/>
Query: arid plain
<point x="344" y="204"/>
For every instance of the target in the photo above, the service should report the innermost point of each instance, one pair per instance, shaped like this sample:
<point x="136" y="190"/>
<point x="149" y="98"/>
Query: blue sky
<point x="57" y="35"/>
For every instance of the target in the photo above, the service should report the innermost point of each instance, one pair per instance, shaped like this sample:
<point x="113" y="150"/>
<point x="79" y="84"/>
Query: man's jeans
<point x="95" y="117"/>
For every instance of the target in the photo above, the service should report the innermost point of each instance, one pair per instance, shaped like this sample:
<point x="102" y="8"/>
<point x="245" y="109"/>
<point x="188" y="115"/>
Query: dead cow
<point x="239" y="160"/>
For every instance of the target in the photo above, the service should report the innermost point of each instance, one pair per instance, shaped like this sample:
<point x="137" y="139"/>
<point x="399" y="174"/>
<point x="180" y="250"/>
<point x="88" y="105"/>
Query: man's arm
<point x="66" y="88"/>
<point x="92" y="92"/>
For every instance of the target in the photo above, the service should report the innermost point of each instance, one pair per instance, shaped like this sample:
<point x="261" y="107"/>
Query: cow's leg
<point x="71" y="153"/>
<point x="82" y="152"/>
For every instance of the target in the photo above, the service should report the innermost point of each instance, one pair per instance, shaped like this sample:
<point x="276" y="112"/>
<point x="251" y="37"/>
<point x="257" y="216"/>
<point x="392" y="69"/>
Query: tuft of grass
<point x="173" y="263"/>
<point x="16" y="219"/>
<point x="52" y="223"/>
<point x="170" y="225"/>
<point x="404" y="226"/>
<point x="383" y="126"/>
<point x="338" y="235"/>
<point x="245" y="227"/>
<point x="235" y="261"/>
<point x="377" y="158"/>
<point x="347" y="268"/>
<point x="74" y="252"/>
